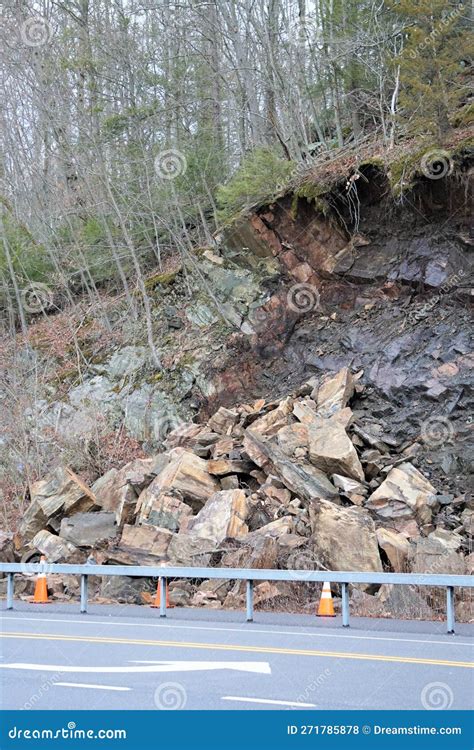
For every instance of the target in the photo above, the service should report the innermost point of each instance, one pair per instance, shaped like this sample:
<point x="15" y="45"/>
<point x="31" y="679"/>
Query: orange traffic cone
<point x="157" y="601"/>
<point x="41" y="588"/>
<point x="326" y="607"/>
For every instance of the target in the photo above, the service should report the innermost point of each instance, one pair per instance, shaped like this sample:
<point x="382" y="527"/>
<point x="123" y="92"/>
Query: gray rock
<point x="432" y="556"/>
<point x="190" y="550"/>
<point x="126" y="362"/>
<point x="201" y="315"/>
<point x="125" y="589"/>
<point x="150" y="415"/>
<point x="96" y="390"/>
<point x="180" y="597"/>
<point x="87" y="529"/>
<point x="404" y="602"/>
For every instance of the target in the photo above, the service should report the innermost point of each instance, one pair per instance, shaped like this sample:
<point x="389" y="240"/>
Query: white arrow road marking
<point x="261" y="667"/>
<point x="268" y="700"/>
<point x="92" y="687"/>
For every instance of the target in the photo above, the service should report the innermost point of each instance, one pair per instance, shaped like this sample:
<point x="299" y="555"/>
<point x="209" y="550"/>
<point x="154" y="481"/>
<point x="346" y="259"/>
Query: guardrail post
<point x="162" y="585"/>
<point x="450" y="619"/>
<point x="345" y="605"/>
<point x="10" y="590"/>
<point x="84" y="588"/>
<point x="249" y="601"/>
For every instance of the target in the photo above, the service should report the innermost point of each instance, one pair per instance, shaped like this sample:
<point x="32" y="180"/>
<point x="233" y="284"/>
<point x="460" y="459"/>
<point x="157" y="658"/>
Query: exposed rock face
<point x="405" y="492"/>
<point x="393" y="307"/>
<point x="222" y="516"/>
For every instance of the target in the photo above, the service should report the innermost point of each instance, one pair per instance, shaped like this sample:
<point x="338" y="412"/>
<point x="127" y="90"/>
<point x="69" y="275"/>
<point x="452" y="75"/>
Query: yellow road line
<point x="253" y="649"/>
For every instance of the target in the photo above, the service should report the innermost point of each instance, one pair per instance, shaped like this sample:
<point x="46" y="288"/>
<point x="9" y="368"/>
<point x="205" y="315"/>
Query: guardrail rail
<point x="163" y="573"/>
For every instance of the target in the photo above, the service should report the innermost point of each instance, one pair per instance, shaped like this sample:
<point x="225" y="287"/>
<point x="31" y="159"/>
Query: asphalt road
<point x="51" y="657"/>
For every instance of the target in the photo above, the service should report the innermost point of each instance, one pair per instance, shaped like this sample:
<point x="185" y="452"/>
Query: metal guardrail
<point x="449" y="582"/>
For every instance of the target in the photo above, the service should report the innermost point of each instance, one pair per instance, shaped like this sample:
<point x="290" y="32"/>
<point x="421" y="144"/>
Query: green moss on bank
<point x="162" y="279"/>
<point x="432" y="159"/>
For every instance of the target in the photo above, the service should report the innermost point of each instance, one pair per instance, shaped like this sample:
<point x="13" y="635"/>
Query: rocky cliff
<point x="315" y="403"/>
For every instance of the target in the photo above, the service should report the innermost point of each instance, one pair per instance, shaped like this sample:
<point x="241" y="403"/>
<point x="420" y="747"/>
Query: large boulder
<point x="149" y="540"/>
<point x="169" y="512"/>
<point x="396" y="547"/>
<point x="404" y="493"/>
<point x="60" y="494"/>
<point x="450" y="540"/>
<point x="87" y="529"/>
<point x="255" y="551"/>
<point x="344" y="538"/>
<point x="113" y="494"/>
<point x="223" y="420"/>
<point x="404" y="602"/>
<point x="53" y="547"/>
<point x="430" y="555"/>
<point x="189" y="550"/>
<point x="118" y="490"/>
<point x="304" y="480"/>
<point x="293" y="439"/>
<point x="331" y="450"/>
<point x="222" y="517"/>
<point x="186" y="476"/>
<point x="125" y="589"/>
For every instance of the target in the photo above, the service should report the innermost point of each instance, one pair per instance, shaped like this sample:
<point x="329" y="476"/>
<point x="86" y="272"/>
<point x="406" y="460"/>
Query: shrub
<point x="260" y="177"/>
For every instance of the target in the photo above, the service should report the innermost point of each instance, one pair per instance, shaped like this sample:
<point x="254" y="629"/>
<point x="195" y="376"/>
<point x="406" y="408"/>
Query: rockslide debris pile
<point x="292" y="484"/>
